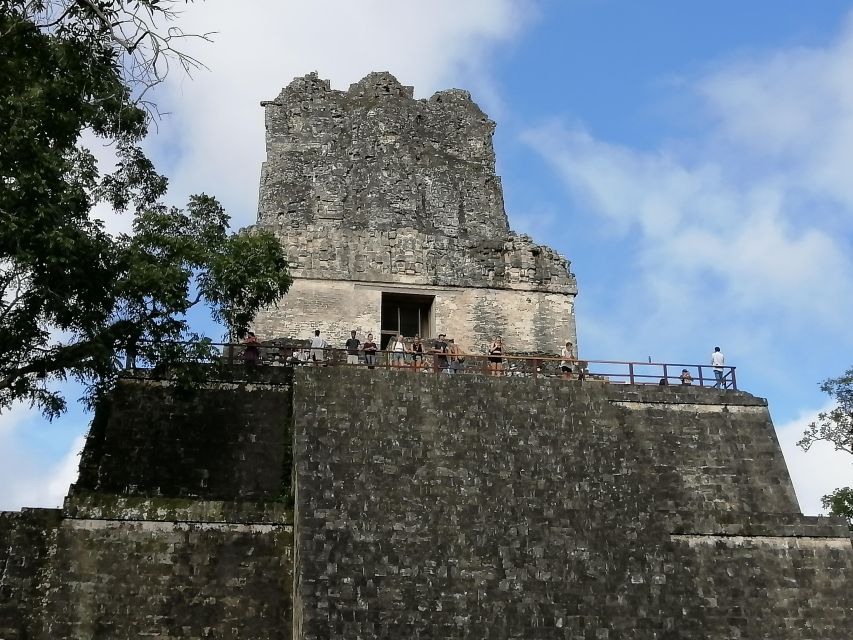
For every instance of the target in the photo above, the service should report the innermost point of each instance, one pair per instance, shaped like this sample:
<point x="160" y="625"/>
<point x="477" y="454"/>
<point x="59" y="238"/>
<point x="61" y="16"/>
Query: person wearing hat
<point x="717" y="361"/>
<point x="439" y="351"/>
<point x="686" y="378"/>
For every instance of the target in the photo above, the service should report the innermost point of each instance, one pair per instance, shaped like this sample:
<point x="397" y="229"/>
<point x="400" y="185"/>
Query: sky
<point x="692" y="160"/>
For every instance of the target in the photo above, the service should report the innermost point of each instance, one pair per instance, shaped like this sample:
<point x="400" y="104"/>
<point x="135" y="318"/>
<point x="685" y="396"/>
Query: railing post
<point x="665" y="374"/>
<point x="701" y="379"/>
<point x="631" y="372"/>
<point x="734" y="381"/>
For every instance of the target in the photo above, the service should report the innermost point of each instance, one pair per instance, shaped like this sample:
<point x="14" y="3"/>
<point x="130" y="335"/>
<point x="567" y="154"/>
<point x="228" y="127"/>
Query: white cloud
<point x="755" y="212"/>
<point x="793" y="107"/>
<point x="213" y="141"/>
<point x="28" y="476"/>
<point x="696" y="222"/>
<point x="816" y="472"/>
<point x="12" y="417"/>
<point x="742" y="232"/>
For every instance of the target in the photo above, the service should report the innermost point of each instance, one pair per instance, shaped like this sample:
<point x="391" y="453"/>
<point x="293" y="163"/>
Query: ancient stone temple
<point x="348" y="503"/>
<point x="393" y="218"/>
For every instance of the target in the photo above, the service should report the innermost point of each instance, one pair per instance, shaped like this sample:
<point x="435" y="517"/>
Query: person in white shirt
<point x="317" y="347"/>
<point x="717" y="361"/>
<point x="398" y="350"/>
<point x="567" y="354"/>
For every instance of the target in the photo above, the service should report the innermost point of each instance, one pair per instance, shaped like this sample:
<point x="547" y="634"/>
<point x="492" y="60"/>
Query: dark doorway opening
<point x="404" y="313"/>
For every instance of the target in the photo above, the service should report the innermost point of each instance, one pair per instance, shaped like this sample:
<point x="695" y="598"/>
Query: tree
<point x="840" y="503"/>
<point x="835" y="427"/>
<point x="71" y="295"/>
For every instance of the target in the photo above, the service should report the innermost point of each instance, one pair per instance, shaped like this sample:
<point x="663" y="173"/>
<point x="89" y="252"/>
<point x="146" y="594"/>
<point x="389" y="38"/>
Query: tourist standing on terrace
<point x="370" y="350"/>
<point x="456" y="356"/>
<point x="397" y="347"/>
<point x="251" y="350"/>
<point x="439" y="351"/>
<point x="568" y="358"/>
<point x="495" y="356"/>
<point x="352" y="345"/>
<point x="717" y="361"/>
<point x="417" y="350"/>
<point x="318" y="346"/>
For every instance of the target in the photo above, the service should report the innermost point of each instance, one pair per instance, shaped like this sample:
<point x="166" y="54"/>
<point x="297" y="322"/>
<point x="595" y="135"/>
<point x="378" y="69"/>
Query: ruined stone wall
<point x="504" y="507"/>
<point x="428" y="506"/>
<point x="119" y="568"/>
<point x="410" y="256"/>
<point x="374" y="157"/>
<point x="141" y="547"/>
<point x="371" y="185"/>
<point x="228" y="441"/>
<point x="26" y="540"/>
<point x="532" y="321"/>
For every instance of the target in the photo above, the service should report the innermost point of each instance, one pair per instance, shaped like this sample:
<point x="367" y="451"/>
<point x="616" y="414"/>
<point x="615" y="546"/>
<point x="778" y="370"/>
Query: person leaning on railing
<point x="439" y="353"/>
<point x="456" y="357"/>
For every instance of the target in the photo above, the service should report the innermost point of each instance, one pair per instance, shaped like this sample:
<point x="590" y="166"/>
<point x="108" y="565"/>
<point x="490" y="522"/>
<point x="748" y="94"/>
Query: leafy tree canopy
<point x="73" y="296"/>
<point x="840" y="503"/>
<point x="835" y="427"/>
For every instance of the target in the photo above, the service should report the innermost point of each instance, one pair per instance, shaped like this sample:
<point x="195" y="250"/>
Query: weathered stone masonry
<point x="176" y="528"/>
<point x="424" y="506"/>
<point x="430" y="506"/>
<point x="371" y="191"/>
<point x="427" y="506"/>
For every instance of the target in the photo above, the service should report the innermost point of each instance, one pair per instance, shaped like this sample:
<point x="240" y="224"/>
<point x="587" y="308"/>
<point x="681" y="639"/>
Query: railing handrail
<point x="635" y="372"/>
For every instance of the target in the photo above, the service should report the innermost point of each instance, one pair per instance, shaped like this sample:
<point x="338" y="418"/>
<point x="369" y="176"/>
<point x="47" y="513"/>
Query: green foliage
<point x="72" y="296"/>
<point x="840" y="503"/>
<point x="835" y="426"/>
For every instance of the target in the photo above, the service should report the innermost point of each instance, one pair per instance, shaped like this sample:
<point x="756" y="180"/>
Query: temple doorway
<point x="407" y="314"/>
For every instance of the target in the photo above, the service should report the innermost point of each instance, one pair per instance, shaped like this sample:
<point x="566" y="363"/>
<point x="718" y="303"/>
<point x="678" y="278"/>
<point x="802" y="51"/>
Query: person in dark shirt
<point x="496" y="356"/>
<point x="352" y="348"/>
<point x="370" y="350"/>
<point x="439" y="351"/>
<point x="417" y="350"/>
<point x="251" y="350"/>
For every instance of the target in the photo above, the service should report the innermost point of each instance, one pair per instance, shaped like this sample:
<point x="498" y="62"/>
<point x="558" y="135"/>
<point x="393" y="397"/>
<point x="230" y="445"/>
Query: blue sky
<point x="692" y="160"/>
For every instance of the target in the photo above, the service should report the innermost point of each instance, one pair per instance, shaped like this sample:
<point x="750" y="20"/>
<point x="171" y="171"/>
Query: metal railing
<point x="519" y="365"/>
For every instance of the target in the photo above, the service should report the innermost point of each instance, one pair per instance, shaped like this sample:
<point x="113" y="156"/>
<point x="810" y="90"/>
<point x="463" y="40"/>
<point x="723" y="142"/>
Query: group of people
<point x="718" y="362"/>
<point x="446" y="356"/>
<point x="443" y="354"/>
